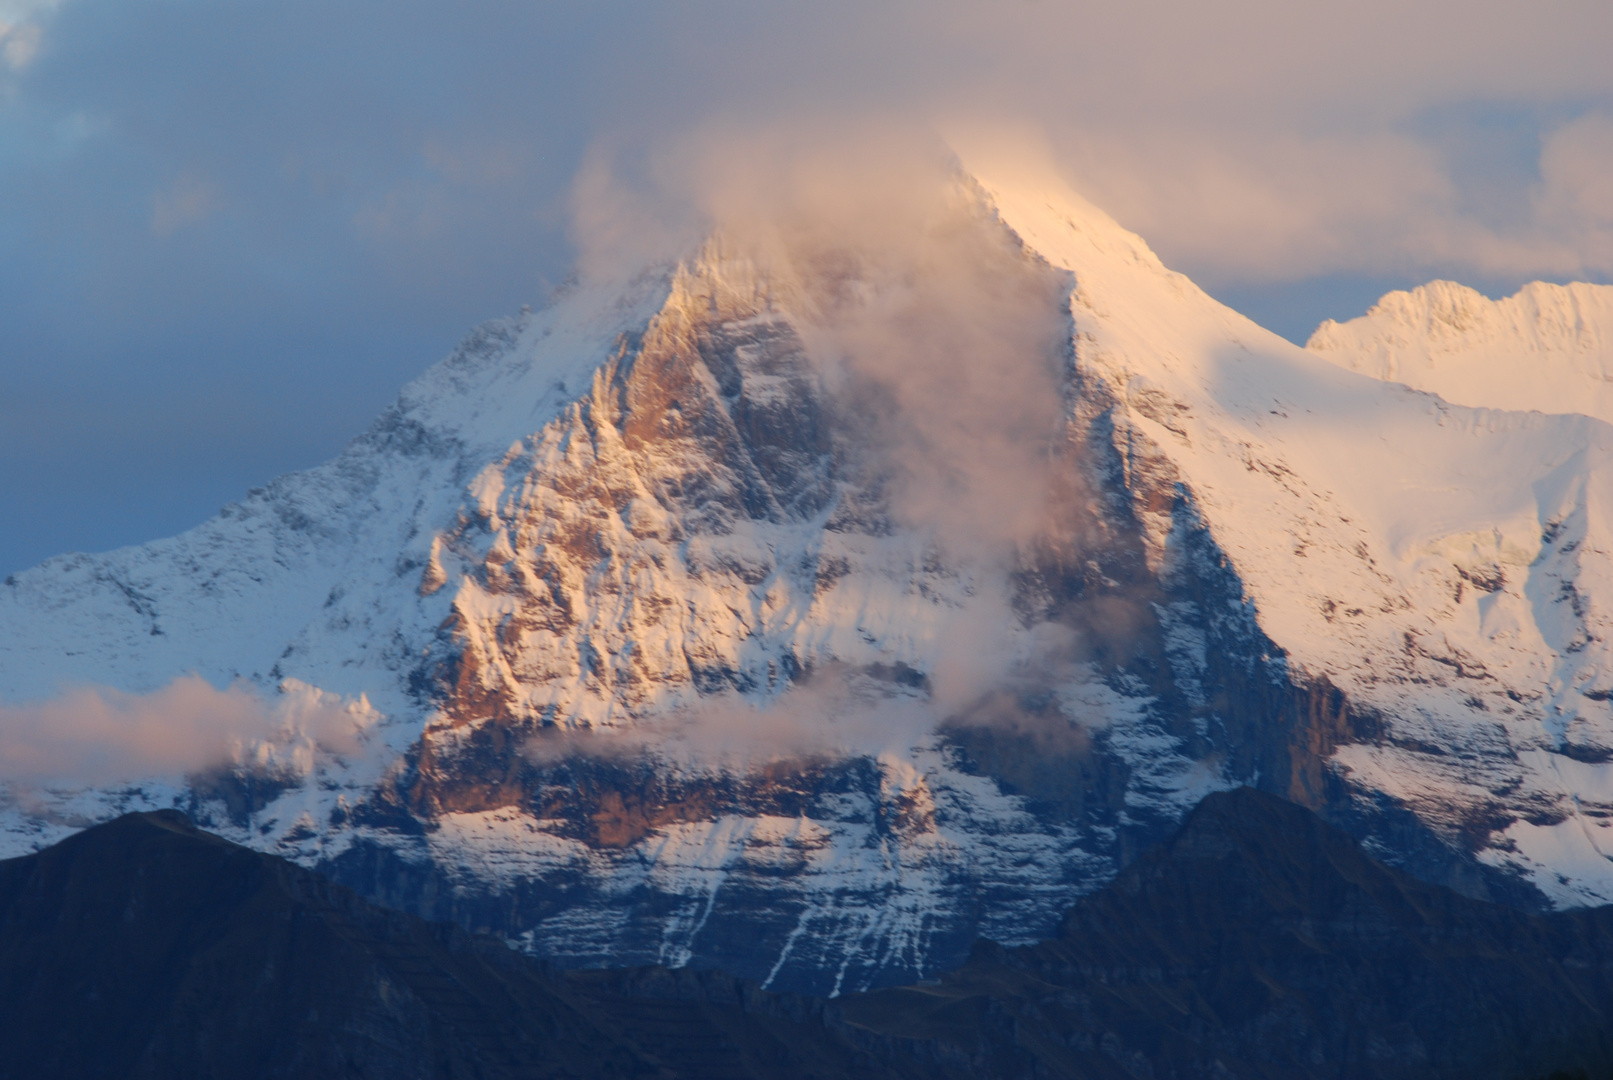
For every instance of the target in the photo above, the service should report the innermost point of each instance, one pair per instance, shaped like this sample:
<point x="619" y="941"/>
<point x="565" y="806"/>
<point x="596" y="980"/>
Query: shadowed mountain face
<point x="1262" y="942"/>
<point x="1258" y="942"/>
<point x="147" y="948"/>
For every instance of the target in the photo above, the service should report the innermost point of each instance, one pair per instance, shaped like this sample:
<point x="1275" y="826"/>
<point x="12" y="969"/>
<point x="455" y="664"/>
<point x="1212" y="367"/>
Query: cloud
<point x="20" y="31"/>
<point x="19" y="43"/>
<point x="834" y="714"/>
<point x="984" y="673"/>
<point x="940" y="338"/>
<point x="1275" y="205"/>
<point x="189" y="201"/>
<point x="396" y="172"/>
<point x="939" y="342"/>
<point x="97" y="735"/>
<point x="1576" y="176"/>
<point x="1251" y="142"/>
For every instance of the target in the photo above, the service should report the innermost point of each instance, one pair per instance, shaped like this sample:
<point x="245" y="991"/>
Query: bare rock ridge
<point x="673" y="627"/>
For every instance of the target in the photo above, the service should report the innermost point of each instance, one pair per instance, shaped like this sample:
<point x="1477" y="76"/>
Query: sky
<point x="230" y="231"/>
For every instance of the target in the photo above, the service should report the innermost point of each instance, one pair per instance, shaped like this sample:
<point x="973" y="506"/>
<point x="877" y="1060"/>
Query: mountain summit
<point x="823" y="599"/>
<point x="1548" y="347"/>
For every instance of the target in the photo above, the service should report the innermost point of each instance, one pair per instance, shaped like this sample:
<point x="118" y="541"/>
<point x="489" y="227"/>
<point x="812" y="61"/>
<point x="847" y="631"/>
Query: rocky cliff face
<point x="689" y="635"/>
<point x="710" y="523"/>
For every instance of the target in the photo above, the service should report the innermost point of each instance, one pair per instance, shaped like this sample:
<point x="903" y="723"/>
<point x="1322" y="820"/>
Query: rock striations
<point x="672" y="628"/>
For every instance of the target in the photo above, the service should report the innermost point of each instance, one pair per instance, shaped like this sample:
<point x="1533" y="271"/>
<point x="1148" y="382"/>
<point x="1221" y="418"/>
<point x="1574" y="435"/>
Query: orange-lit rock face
<point x="700" y="636"/>
<point x="620" y="561"/>
<point x="676" y="534"/>
<point x="713" y="516"/>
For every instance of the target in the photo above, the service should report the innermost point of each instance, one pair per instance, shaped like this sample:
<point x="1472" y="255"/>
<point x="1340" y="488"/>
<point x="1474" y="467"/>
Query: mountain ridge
<point x="1547" y="347"/>
<point x="662" y="664"/>
<point x="1255" y="942"/>
<point x="1259" y="941"/>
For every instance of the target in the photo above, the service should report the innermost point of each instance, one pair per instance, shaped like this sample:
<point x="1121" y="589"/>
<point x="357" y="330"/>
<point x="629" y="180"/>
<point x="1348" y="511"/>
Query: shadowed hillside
<point x="147" y="948"/>
<point x="1258" y="942"/>
<point x="1261" y="942"/>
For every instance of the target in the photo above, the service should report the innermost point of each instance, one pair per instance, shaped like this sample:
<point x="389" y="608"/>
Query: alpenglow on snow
<point x="812" y="608"/>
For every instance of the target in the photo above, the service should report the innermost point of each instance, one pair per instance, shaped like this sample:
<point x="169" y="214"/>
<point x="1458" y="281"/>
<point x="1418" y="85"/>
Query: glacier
<point x="650" y="661"/>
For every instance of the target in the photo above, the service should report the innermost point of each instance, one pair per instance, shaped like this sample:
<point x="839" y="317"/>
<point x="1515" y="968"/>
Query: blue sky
<point x="229" y="231"/>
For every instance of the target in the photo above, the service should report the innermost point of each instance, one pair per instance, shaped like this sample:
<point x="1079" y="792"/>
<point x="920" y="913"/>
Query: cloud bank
<point x="940" y="343"/>
<point x="98" y="735"/>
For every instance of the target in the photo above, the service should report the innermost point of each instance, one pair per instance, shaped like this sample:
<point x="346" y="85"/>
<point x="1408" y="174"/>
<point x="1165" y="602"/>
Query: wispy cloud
<point x="97" y="735"/>
<point x="19" y="42"/>
<point x="914" y="305"/>
<point x="190" y="200"/>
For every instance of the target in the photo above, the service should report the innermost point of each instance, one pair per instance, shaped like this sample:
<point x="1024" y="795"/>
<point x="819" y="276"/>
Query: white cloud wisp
<point x="99" y="736"/>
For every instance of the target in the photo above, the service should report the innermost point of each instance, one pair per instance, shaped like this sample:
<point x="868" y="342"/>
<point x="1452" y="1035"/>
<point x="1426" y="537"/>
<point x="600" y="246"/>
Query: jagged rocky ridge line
<point x="646" y="502"/>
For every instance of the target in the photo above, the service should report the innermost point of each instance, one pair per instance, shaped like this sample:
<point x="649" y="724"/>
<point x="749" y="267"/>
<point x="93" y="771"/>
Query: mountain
<point x="145" y="947"/>
<point x="1256" y="942"/>
<point x="1547" y="348"/>
<point x="811" y="608"/>
<point x="1259" y="941"/>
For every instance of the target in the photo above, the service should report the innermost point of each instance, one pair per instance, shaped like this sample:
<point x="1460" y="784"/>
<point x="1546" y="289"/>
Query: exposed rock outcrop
<point x="690" y="635"/>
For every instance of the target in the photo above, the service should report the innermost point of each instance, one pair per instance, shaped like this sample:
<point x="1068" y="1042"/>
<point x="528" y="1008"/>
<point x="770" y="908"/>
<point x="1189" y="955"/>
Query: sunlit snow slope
<point x="1547" y="348"/>
<point x="668" y="670"/>
<point x="1447" y="568"/>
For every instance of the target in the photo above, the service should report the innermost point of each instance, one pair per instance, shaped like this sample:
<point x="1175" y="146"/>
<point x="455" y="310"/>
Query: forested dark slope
<point x="1257" y="942"/>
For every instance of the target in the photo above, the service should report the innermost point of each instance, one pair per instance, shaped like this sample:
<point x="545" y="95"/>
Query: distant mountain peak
<point x="1546" y="347"/>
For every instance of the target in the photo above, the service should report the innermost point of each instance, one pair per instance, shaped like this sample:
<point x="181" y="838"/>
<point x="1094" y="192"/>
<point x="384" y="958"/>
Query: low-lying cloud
<point x="835" y="714"/>
<point x="982" y="678"/>
<point x="95" y="735"/>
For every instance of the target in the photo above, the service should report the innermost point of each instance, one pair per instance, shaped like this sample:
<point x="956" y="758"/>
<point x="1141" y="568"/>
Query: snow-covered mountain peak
<point x="1046" y="212"/>
<point x="1546" y="347"/>
<point x="1320" y="484"/>
<point x="821" y="599"/>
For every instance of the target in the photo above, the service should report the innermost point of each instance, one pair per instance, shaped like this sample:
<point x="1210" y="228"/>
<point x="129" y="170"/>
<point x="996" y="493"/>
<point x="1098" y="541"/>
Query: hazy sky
<point x="230" y="231"/>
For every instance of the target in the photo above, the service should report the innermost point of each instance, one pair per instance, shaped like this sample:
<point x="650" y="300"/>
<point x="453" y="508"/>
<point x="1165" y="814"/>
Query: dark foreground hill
<point x="147" y="948"/>
<point x="1258" y="942"/>
<point x="1261" y="942"/>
